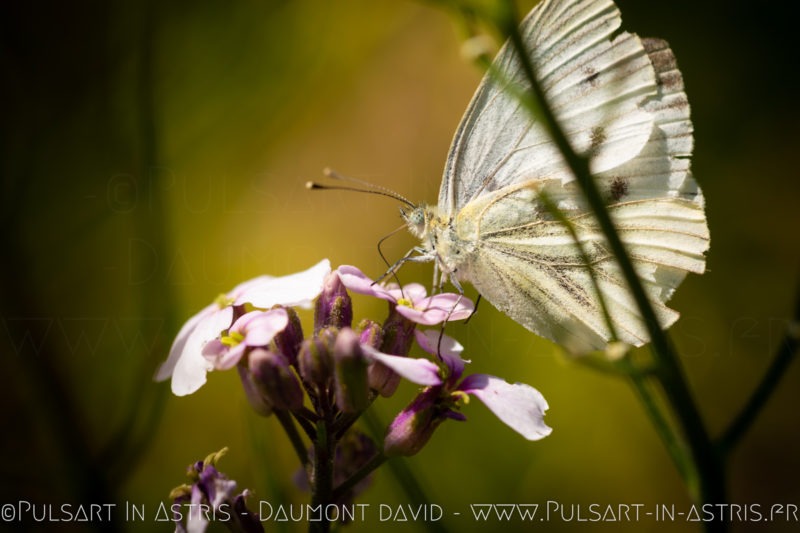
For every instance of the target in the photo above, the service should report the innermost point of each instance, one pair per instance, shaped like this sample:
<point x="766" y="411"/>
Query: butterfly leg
<point x="424" y="257"/>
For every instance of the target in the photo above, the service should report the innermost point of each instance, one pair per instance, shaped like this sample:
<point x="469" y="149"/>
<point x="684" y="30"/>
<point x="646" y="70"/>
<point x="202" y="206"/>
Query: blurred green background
<point x="154" y="155"/>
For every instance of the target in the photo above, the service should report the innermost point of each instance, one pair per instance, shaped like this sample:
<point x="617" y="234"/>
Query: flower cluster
<point x="255" y="328"/>
<point x="519" y="406"/>
<point x="188" y="360"/>
<point x="323" y="383"/>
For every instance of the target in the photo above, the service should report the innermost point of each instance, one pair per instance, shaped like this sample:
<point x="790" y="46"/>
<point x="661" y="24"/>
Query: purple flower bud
<point x="382" y="379"/>
<point x="398" y="334"/>
<point x="412" y="428"/>
<point x="288" y="341"/>
<point x="216" y="487"/>
<point x="252" y="392"/>
<point x="211" y="491"/>
<point x="244" y="518"/>
<point x="352" y="392"/>
<point x="334" y="308"/>
<point x="315" y="361"/>
<point x="371" y="334"/>
<point x="275" y="379"/>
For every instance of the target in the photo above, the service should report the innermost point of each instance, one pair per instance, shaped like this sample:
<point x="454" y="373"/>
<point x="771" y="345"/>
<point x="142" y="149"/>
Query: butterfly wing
<point x="595" y="80"/>
<point x="620" y="99"/>
<point x="534" y="272"/>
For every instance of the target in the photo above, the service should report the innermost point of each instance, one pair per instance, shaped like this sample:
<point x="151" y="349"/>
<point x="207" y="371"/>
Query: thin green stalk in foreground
<point x="638" y="378"/>
<point x="787" y="351"/>
<point x="711" y="485"/>
<point x="662" y="426"/>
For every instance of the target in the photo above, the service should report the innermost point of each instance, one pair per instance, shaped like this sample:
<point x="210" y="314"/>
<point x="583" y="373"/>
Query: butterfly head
<point x="417" y="218"/>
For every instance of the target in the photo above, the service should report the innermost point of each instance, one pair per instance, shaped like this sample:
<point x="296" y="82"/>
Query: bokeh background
<point x="154" y="155"/>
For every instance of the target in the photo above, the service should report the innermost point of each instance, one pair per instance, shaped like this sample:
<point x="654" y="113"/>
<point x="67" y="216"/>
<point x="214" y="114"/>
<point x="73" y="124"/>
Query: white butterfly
<point x="619" y="99"/>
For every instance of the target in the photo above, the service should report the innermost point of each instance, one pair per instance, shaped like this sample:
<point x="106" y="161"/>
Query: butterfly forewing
<point x="594" y="85"/>
<point x="620" y="101"/>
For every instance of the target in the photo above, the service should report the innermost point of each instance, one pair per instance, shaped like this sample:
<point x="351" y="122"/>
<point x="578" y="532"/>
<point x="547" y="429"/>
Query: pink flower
<point x="186" y="364"/>
<point x="519" y="406"/>
<point x="252" y="330"/>
<point x="411" y="301"/>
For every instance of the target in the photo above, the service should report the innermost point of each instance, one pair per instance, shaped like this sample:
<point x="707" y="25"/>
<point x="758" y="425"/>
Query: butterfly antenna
<point x="363" y="186"/>
<point x="370" y="188"/>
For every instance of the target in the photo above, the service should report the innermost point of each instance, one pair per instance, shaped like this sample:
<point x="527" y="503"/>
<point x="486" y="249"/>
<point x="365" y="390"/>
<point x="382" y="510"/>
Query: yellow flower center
<point x="460" y="396"/>
<point x="231" y="339"/>
<point x="406" y="302"/>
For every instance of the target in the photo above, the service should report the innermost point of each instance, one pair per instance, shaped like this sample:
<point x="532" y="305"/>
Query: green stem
<point x="559" y="215"/>
<point x="307" y="420"/>
<point x="322" y="482"/>
<point x="294" y="436"/>
<point x="663" y="428"/>
<point x="785" y="355"/>
<point x="711" y="476"/>
<point x="366" y="469"/>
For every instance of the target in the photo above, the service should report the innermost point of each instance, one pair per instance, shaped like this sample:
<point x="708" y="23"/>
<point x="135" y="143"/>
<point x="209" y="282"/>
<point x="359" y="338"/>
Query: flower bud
<point x="371" y="334"/>
<point x="245" y="519"/>
<point x="275" y="380"/>
<point x="398" y="334"/>
<point x="257" y="401"/>
<point x="334" y="307"/>
<point x="315" y="361"/>
<point x="352" y="392"/>
<point x="382" y="379"/>
<point x="412" y="428"/>
<point x="288" y="341"/>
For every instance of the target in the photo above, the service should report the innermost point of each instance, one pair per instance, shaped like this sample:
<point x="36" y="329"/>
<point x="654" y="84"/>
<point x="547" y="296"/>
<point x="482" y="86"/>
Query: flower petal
<point x="214" y="349"/>
<point x="357" y="281"/>
<point x="437" y="309"/>
<point x="298" y="289"/>
<point x="230" y="358"/>
<point x="437" y="343"/>
<point x="196" y="521"/>
<point x="258" y="328"/>
<point x="263" y="327"/>
<point x="168" y="366"/>
<point x="414" y="292"/>
<point x="250" y="285"/>
<point x="419" y="371"/>
<point x="426" y="317"/>
<point x="519" y="406"/>
<point x="190" y="370"/>
<point x="458" y="306"/>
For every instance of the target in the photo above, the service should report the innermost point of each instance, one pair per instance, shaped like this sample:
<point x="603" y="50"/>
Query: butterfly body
<point x="510" y="218"/>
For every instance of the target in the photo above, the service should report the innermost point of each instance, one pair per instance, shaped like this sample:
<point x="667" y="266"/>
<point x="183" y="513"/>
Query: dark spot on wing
<point x="597" y="137"/>
<point x="619" y="188"/>
<point x="590" y="76"/>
